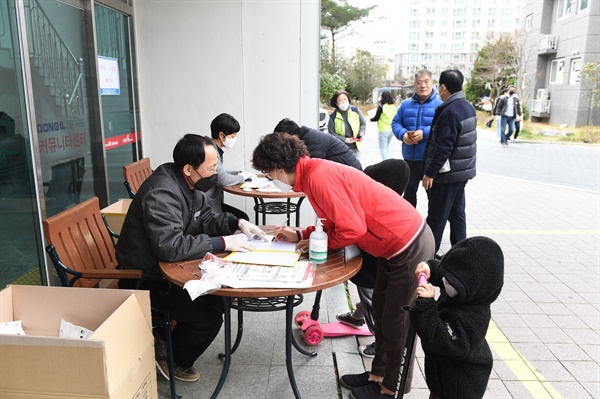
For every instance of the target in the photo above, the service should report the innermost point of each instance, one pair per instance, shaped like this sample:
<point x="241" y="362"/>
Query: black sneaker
<point x="351" y="381"/>
<point x="368" y="350"/>
<point x="347" y="319"/>
<point x="188" y="375"/>
<point x="372" y="391"/>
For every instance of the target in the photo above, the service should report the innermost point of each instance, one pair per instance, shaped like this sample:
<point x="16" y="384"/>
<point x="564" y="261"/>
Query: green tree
<point x="590" y="77"/>
<point x="336" y="18"/>
<point x="365" y="73"/>
<point x="496" y="66"/>
<point x="329" y="85"/>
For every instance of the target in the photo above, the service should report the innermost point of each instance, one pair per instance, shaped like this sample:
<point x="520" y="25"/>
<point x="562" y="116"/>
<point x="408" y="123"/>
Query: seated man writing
<point x="170" y="220"/>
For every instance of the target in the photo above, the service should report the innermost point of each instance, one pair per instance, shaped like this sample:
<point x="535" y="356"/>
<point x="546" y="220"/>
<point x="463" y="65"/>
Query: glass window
<point x="457" y="35"/>
<point x="442" y="57"/>
<point x="474" y="35"/>
<point x="563" y="8"/>
<point x="476" y="12"/>
<point x="430" y="23"/>
<point x="492" y="11"/>
<point x="529" y="22"/>
<point x="457" y="47"/>
<point x="583" y="5"/>
<point x="118" y="109"/>
<point x="456" y="58"/>
<point x="458" y="24"/>
<point x="414" y="24"/>
<point x="575" y="71"/>
<point x="431" y="11"/>
<point x="444" y="34"/>
<point x="414" y="12"/>
<point x="414" y="47"/>
<point x="428" y="35"/>
<point x="557" y="71"/>
<point x="459" y="12"/>
<point x="474" y="47"/>
<point x="444" y="22"/>
<point x="442" y="46"/>
<point x="413" y="35"/>
<point x="491" y="23"/>
<point x="444" y="11"/>
<point x="427" y="57"/>
<point x="506" y="11"/>
<point x="505" y="23"/>
<point x="476" y="23"/>
<point x="428" y="46"/>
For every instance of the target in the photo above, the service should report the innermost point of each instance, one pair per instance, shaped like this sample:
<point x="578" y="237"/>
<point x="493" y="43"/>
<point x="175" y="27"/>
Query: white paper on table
<point x="270" y="245"/>
<point x="259" y="276"/>
<point x="257" y="182"/>
<point x="265" y="257"/>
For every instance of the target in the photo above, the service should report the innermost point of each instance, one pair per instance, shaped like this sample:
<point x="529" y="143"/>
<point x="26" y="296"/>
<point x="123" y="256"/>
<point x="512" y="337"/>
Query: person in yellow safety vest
<point x="347" y="122"/>
<point x="384" y="115"/>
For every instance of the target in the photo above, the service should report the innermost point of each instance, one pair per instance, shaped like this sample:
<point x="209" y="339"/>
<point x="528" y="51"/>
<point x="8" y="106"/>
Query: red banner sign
<point x="118" y="141"/>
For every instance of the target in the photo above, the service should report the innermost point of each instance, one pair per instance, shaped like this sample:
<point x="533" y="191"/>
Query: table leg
<point x="240" y="333"/>
<point x="289" y="310"/>
<point x="227" y="333"/>
<point x="256" y="203"/>
<point x="298" y="210"/>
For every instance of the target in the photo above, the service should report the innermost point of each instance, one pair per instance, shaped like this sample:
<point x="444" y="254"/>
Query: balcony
<point x="547" y="44"/>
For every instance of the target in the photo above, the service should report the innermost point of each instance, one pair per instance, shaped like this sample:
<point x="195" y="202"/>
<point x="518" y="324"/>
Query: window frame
<point x="529" y="22"/>
<point x="554" y="71"/>
<point x="572" y="79"/>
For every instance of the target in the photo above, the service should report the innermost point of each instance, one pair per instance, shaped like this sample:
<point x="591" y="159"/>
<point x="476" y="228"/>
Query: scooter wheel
<point x="313" y="335"/>
<point x="301" y="318"/>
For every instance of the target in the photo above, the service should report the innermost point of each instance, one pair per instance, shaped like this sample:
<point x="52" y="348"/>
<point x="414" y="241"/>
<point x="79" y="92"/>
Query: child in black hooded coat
<point x="458" y="360"/>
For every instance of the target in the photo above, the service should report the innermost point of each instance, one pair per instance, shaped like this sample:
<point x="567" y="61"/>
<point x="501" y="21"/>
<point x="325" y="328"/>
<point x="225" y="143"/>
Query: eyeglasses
<point x="213" y="171"/>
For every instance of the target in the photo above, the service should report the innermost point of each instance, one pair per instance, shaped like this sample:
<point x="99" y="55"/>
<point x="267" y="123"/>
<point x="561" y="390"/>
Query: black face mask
<point x="511" y="92"/>
<point x="206" y="183"/>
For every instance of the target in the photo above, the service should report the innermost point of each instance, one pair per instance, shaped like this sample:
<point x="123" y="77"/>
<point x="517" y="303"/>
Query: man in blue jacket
<point x="411" y="125"/>
<point x="449" y="160"/>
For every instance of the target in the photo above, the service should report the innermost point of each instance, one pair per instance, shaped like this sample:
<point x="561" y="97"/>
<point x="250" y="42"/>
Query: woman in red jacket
<point x="360" y="211"/>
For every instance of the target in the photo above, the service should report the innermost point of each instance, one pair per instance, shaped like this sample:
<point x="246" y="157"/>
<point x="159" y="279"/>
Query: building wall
<point x="258" y="61"/>
<point x="447" y="34"/>
<point x="578" y="39"/>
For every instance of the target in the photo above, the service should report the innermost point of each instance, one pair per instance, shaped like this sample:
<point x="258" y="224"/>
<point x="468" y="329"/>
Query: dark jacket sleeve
<point x="377" y="114"/>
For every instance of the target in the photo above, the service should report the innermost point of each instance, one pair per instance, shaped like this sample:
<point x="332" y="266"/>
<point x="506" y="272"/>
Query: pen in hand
<point x="283" y="226"/>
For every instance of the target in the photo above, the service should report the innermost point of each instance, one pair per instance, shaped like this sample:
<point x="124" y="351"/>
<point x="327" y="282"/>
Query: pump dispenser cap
<point x="319" y="226"/>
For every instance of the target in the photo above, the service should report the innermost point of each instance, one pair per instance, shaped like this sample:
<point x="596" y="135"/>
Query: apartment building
<point x="442" y="34"/>
<point x="561" y="37"/>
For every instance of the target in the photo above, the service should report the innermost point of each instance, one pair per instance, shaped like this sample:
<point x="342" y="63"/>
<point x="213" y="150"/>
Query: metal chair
<point x="135" y="173"/>
<point x="82" y="250"/>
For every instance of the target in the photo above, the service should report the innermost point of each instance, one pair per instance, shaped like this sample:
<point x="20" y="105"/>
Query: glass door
<point x="21" y="248"/>
<point x="62" y="86"/>
<point x="119" y="113"/>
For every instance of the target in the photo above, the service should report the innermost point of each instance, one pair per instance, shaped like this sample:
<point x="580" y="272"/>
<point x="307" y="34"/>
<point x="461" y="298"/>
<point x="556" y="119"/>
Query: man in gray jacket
<point x="449" y="160"/>
<point x="170" y="220"/>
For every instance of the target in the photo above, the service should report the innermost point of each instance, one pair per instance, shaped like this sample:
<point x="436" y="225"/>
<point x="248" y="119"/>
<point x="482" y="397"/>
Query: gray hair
<point x="423" y="72"/>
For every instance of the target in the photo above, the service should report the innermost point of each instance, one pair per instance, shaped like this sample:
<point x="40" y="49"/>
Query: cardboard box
<point x="117" y="361"/>
<point x="115" y="214"/>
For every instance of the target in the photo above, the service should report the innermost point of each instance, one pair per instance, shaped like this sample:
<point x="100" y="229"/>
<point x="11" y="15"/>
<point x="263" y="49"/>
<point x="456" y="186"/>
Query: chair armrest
<point x="115" y="273"/>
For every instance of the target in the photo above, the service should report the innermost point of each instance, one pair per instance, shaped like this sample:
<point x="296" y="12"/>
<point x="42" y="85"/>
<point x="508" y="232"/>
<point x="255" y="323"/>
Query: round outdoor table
<point x="270" y="208"/>
<point x="341" y="265"/>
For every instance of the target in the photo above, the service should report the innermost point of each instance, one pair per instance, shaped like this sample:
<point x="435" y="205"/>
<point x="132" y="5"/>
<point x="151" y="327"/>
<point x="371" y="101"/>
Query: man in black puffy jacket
<point x="319" y="144"/>
<point x="458" y="360"/>
<point x="449" y="160"/>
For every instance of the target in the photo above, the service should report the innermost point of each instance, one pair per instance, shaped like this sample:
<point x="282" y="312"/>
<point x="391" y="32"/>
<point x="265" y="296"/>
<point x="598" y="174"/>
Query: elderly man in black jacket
<point x="320" y="145"/>
<point x="450" y="159"/>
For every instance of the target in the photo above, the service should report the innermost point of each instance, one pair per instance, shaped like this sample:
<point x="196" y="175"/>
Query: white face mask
<point x="450" y="290"/>
<point x="229" y="142"/>
<point x="343" y="106"/>
<point x="284" y="187"/>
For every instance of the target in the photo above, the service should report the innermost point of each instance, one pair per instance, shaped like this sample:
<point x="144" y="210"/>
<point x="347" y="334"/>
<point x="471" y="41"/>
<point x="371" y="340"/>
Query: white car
<point x="323" y="119"/>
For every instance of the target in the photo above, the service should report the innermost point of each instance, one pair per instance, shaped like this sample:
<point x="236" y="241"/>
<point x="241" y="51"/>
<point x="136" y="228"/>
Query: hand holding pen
<point x="284" y="233"/>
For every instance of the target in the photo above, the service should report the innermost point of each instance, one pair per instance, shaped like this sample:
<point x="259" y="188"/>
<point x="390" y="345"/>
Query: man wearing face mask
<point x="224" y="130"/>
<point x="508" y="108"/>
<point x="170" y="220"/>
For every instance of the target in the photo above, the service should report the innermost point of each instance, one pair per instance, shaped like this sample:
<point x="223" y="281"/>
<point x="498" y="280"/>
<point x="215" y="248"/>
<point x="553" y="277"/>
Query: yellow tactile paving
<point x="533" y="381"/>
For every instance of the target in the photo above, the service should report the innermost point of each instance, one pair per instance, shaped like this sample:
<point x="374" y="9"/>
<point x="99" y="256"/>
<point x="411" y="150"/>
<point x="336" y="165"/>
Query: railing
<point x="547" y="44"/>
<point x="61" y="70"/>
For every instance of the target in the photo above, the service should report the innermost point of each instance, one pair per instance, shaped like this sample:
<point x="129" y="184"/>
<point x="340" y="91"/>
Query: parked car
<point x="323" y="119"/>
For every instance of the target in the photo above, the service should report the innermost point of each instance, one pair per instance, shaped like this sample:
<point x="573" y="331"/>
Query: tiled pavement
<point x="546" y="323"/>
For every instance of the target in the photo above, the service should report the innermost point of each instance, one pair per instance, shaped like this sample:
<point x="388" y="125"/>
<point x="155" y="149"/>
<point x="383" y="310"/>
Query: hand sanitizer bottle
<point x="318" y="244"/>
